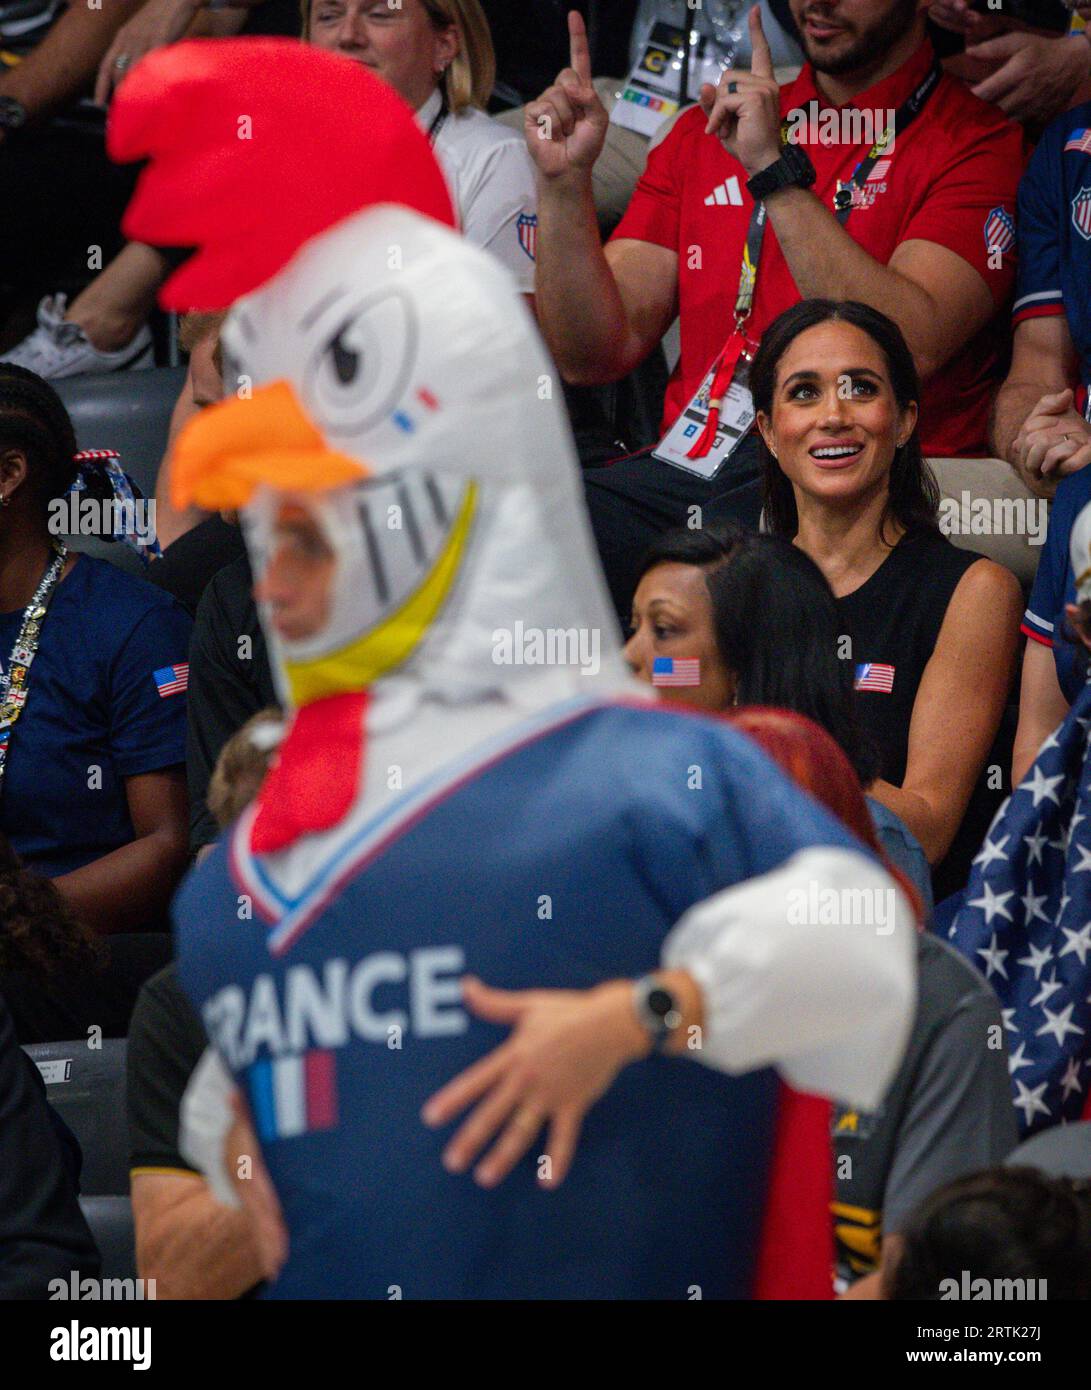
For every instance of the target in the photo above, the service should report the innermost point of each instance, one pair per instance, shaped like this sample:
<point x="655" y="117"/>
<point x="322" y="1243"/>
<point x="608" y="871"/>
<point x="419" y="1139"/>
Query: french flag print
<point x="290" y="1096"/>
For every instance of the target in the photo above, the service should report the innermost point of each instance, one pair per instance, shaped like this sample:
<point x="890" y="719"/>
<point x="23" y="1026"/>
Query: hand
<point x="566" y="1048"/>
<point x="957" y="16"/>
<point x="257" y="1192"/>
<point x="1054" y="441"/>
<point x="747" y="119"/>
<point x="565" y="128"/>
<point x="156" y="23"/>
<point x="1035" y="77"/>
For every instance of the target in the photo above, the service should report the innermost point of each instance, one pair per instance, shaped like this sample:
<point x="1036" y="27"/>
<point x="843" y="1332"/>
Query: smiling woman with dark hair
<point x="933" y="628"/>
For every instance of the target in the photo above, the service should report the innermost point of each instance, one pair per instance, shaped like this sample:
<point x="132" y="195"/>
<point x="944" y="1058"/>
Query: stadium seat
<point x="1010" y="505"/>
<point x="129" y="412"/>
<point x="86" y="1086"/>
<point x="111" y="1223"/>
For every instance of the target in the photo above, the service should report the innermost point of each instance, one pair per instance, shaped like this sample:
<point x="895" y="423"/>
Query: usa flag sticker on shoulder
<point x="874" y="675"/>
<point x="171" y="680"/>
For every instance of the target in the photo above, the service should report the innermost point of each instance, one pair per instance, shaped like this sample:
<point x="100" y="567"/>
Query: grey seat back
<point x="111" y="1223"/>
<point x="86" y="1086"/>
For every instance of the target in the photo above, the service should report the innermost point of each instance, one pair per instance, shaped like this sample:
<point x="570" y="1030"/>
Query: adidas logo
<point x="725" y="193"/>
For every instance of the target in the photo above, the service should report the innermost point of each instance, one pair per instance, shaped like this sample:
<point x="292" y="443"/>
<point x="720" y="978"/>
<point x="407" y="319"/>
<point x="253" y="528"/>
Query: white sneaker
<point x="57" y="348"/>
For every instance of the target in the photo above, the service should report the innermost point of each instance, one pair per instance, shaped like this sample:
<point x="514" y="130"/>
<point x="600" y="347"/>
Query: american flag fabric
<point x="874" y="675"/>
<point x="1026" y="925"/>
<point x="171" y="680"/>
<point x="1080" y="140"/>
<point x="675" y="670"/>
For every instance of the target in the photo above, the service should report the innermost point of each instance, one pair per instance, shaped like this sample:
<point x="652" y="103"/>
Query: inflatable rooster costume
<point x="471" y="780"/>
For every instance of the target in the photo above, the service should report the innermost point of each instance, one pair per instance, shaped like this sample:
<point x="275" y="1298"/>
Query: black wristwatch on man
<point x="792" y="170"/>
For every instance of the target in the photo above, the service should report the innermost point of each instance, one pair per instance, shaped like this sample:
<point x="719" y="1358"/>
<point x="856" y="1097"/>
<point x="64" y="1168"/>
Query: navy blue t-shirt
<point x="1055" y="584"/>
<point x="1054" y="224"/>
<point x="94" y="714"/>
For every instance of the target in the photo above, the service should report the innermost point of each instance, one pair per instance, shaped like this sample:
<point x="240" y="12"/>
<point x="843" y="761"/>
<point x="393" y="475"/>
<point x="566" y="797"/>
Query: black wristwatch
<point x="792" y="170"/>
<point x="13" y="114"/>
<point x="657" y="1010"/>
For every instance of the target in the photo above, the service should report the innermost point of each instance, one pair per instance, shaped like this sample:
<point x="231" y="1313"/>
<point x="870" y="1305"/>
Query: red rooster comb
<point x="255" y="146"/>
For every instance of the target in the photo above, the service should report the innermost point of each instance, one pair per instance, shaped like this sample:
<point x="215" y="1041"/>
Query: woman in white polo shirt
<point x="438" y="55"/>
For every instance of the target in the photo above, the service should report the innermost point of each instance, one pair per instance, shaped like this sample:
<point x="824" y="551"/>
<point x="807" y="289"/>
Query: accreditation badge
<point x="707" y="433"/>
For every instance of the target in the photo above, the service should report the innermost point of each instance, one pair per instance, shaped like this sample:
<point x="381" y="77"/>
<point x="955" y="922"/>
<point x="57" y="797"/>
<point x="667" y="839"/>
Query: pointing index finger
<point x="579" y="51"/>
<point x="761" y="59"/>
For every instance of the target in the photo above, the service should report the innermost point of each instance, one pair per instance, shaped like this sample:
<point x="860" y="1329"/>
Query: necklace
<point x="13" y="682"/>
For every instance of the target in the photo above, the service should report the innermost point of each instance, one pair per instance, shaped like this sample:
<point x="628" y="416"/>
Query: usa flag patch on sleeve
<point x="874" y="675"/>
<point x="171" y="680"/>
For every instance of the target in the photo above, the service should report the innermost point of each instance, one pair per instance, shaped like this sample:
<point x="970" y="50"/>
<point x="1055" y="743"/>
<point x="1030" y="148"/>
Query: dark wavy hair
<point x="38" y="931"/>
<point x="777" y="629"/>
<point x="913" y="498"/>
<point x="34" y="421"/>
<point x="1000" y="1223"/>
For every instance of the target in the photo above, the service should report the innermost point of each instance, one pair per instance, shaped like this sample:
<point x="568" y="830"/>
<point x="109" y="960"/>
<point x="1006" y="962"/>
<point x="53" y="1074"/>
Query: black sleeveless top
<point x="894" y="619"/>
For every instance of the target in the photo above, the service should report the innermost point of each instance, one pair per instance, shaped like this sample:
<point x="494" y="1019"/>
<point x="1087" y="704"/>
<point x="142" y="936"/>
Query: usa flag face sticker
<point x="874" y="675"/>
<point x="171" y="680"/>
<point x="673" y="670"/>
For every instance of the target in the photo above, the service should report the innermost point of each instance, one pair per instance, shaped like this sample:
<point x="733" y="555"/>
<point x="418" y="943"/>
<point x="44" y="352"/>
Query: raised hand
<point x="565" y="128"/>
<point x="744" y="109"/>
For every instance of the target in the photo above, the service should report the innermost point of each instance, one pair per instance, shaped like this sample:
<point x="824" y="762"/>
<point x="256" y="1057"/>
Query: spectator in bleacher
<point x="438" y="55"/>
<point x="92" y="730"/>
<point x="1040" y="420"/>
<point x="998" y="1225"/>
<point x="1032" y="75"/>
<point x="928" y="240"/>
<point x="190" y="1244"/>
<point x="43" y="1234"/>
<point x="933" y="628"/>
<point x="697" y="597"/>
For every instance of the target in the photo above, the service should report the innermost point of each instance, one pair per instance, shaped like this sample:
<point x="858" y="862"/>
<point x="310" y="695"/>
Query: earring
<point x="5" y="500"/>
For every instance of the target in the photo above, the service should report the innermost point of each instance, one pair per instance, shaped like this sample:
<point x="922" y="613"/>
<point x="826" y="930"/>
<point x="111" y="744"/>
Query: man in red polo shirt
<point x="921" y="227"/>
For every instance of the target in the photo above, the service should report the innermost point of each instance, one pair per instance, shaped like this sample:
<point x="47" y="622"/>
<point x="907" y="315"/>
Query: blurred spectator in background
<point x="999" y="1225"/>
<point x="1031" y="74"/>
<point x="438" y="55"/>
<point x="698" y="595"/>
<point x="92" y="728"/>
<point x="932" y="628"/>
<point x="1040" y="418"/>
<point x="43" y="1234"/>
<point x="929" y="241"/>
<point x="190" y="1244"/>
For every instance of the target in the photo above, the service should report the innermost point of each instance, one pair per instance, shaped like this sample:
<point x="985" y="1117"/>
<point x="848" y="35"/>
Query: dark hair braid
<point x="33" y="419"/>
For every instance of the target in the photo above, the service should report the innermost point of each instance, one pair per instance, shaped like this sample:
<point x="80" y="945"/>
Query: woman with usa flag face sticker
<point x="930" y="628"/>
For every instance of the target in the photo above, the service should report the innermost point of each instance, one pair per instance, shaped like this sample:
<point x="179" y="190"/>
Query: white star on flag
<point x="1071" y="1079"/>
<point x="1041" y="787"/>
<point x="992" y="904"/>
<point x="1035" y="844"/>
<point x="1036" y="959"/>
<point x="994" y="959"/>
<point x="1008" y="1015"/>
<point x="1084" y="866"/>
<point x="1078" y="942"/>
<point x="1017" y="1060"/>
<point x="1048" y="990"/>
<point x="989" y="852"/>
<point x="1059" y="1024"/>
<point x="1030" y="1102"/>
<point x="1032" y="905"/>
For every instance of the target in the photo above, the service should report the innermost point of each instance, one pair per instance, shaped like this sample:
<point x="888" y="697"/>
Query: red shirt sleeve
<point x="979" y="182"/>
<point x="654" y="209"/>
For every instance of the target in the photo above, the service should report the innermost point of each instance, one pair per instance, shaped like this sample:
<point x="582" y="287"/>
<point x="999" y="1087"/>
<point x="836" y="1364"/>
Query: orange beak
<point x="226" y="451"/>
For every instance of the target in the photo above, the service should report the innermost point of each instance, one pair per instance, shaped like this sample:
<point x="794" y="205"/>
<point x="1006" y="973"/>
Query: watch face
<point x="660" y="1003"/>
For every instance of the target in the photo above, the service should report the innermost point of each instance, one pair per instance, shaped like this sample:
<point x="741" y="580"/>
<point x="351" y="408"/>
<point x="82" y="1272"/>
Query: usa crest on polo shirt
<point x="527" y="227"/>
<point x="1081" y="213"/>
<point x="1000" y="230"/>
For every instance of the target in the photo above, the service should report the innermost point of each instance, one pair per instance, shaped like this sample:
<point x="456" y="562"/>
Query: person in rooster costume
<point x="471" y="780"/>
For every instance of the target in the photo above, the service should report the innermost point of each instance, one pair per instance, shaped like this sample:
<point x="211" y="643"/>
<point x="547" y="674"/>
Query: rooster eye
<point x="346" y="360"/>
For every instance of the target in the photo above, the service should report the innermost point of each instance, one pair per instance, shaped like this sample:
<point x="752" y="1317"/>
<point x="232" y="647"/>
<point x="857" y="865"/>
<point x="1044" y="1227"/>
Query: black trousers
<point x="633" y="501"/>
<point x="63" y="200"/>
